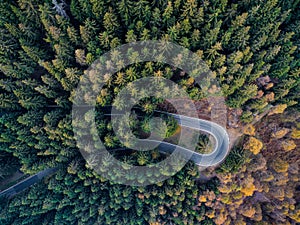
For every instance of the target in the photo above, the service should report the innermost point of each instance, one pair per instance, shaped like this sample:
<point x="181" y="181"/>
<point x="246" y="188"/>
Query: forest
<point x="252" y="48"/>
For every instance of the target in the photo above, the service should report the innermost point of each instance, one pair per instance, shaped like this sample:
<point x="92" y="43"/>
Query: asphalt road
<point x="219" y="133"/>
<point x="221" y="147"/>
<point x="22" y="185"/>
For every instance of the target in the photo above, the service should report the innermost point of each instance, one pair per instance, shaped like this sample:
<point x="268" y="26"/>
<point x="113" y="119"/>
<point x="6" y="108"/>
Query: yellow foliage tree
<point x="278" y="109"/>
<point x="220" y="219"/>
<point x="226" y="199"/>
<point x="248" y="211"/>
<point x="280" y="133"/>
<point x="210" y="214"/>
<point x="249" y="189"/>
<point x="295" y="134"/>
<point x="224" y="189"/>
<point x="249" y="130"/>
<point x="162" y="210"/>
<point x="254" y="145"/>
<point x="280" y="166"/>
<point x="288" y="145"/>
<point x="202" y="198"/>
<point x="295" y="215"/>
<point x="237" y="195"/>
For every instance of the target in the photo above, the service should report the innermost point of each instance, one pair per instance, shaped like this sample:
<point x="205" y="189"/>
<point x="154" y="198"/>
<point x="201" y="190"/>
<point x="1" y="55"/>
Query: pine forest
<point x="252" y="50"/>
